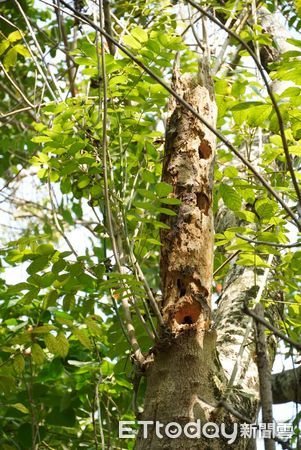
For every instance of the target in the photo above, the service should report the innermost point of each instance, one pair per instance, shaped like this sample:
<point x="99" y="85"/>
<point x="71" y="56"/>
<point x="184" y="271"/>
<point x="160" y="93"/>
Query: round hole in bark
<point x="204" y="149"/>
<point x="187" y="320"/>
<point x="188" y="314"/>
<point x="203" y="202"/>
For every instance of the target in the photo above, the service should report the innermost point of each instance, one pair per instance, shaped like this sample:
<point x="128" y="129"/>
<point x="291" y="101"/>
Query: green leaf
<point x="7" y="384"/>
<point x="147" y="193"/>
<point x="82" y="337"/>
<point x="22" y="50"/>
<point x="59" y="266"/>
<point x="131" y="42"/>
<point x="163" y="189"/>
<point x="84" y="181"/>
<point x="139" y="34"/>
<point x="43" y="329"/>
<point x="37" y="265"/>
<point x="3" y="46"/>
<point x="230" y="197"/>
<point x="153" y="241"/>
<point x="96" y="190"/>
<point x="170" y="201"/>
<point x="295" y="150"/>
<point x="45" y="249"/>
<point x="266" y="208"/>
<point x="37" y="354"/>
<point x="20" y="407"/>
<point x="69" y="302"/>
<point x="63" y="345"/>
<point x="41" y="139"/>
<point x="10" y="58"/>
<point x="258" y="115"/>
<point x="15" y="36"/>
<point x="51" y="343"/>
<point x="251" y="260"/>
<point x="19" y="364"/>
<point x="144" y="205"/>
<point x="168" y="212"/>
<point x="50" y="299"/>
<point x="245" y="105"/>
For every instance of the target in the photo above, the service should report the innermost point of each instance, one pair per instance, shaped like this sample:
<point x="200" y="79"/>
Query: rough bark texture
<point x="185" y="380"/>
<point x="187" y="247"/>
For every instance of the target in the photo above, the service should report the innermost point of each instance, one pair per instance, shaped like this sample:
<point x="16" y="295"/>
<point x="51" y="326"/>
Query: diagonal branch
<point x="270" y="327"/>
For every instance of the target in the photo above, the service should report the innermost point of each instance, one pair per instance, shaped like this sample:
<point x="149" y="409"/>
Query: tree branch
<point x="270" y="327"/>
<point x="286" y="386"/>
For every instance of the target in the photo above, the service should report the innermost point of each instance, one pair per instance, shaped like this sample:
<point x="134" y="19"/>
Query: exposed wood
<point x="187" y="247"/>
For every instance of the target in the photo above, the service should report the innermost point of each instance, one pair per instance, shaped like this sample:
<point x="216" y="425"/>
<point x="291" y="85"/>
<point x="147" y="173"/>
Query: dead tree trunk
<point x="185" y="380"/>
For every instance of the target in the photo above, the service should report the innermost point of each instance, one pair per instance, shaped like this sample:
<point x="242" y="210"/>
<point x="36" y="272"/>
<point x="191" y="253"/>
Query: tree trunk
<point x="185" y="380"/>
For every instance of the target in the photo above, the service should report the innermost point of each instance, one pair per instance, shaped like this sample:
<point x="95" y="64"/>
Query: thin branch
<point x="56" y="220"/>
<point x="233" y="411"/>
<point x="238" y="25"/>
<point x="41" y="54"/>
<point x="188" y="107"/>
<point x="226" y="262"/>
<point x="125" y="305"/>
<point x="28" y="102"/>
<point x="272" y="244"/>
<point x="16" y="111"/>
<point x="222" y="404"/>
<point x="194" y="32"/>
<point x="62" y="30"/>
<point x="108" y="24"/>
<point x="270" y="327"/>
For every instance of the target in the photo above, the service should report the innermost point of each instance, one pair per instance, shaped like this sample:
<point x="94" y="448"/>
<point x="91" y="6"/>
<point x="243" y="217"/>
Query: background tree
<point x="112" y="117"/>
